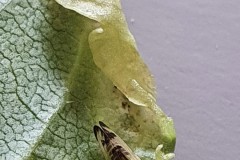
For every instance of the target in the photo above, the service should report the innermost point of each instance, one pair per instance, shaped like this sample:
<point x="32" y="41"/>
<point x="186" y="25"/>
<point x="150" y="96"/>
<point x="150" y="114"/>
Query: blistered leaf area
<point x="65" y="66"/>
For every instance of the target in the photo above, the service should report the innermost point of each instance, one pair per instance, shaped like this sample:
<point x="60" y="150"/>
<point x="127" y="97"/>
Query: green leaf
<point x="114" y="50"/>
<point x="61" y="72"/>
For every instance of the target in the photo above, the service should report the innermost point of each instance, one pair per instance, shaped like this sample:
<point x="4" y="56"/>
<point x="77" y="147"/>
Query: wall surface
<point x="193" y="50"/>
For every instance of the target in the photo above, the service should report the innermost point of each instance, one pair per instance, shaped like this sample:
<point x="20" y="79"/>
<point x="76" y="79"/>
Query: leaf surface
<point x="62" y="72"/>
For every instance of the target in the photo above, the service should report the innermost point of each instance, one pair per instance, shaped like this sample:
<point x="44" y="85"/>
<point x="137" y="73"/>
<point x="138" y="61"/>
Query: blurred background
<point x="193" y="50"/>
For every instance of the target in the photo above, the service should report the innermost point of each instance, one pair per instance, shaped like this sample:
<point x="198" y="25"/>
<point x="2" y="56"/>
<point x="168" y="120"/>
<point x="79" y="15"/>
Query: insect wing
<point x="113" y="146"/>
<point x="99" y="134"/>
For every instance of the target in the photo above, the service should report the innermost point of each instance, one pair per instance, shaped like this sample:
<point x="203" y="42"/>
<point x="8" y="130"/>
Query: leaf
<point x="114" y="50"/>
<point x="54" y="86"/>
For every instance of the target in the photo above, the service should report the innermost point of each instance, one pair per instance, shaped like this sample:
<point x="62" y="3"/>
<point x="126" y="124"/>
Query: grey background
<point x="193" y="50"/>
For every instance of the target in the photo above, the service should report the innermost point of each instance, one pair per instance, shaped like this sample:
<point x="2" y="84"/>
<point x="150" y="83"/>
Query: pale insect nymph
<point x="112" y="146"/>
